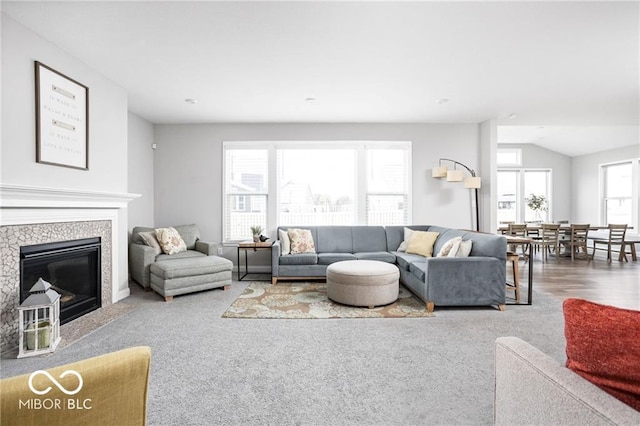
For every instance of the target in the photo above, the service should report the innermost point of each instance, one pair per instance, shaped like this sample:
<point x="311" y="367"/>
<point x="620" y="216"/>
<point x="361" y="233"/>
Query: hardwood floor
<point x="616" y="283"/>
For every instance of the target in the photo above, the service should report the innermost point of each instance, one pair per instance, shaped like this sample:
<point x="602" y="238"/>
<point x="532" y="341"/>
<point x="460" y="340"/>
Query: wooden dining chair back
<point x="548" y="239"/>
<point x="617" y="234"/>
<point x="578" y="240"/>
<point x="518" y="230"/>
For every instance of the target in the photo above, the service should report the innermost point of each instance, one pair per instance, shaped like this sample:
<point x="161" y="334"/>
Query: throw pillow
<point x="285" y="242"/>
<point x="170" y="240"/>
<point x="603" y="347"/>
<point x="301" y="241"/>
<point x="150" y="239"/>
<point x="422" y="242"/>
<point x="448" y="246"/>
<point x="407" y="237"/>
<point x="465" y="248"/>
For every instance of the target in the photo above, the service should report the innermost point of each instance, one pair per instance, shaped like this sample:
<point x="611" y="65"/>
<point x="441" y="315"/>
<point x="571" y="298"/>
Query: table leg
<point x="530" y="277"/>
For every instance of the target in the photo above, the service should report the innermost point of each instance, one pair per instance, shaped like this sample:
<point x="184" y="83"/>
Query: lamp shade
<point x="473" y="182"/>
<point x="439" y="171"/>
<point x="455" y="175"/>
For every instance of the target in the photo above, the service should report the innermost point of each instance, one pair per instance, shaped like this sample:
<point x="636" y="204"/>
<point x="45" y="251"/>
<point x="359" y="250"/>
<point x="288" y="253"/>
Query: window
<point x="246" y="194"/>
<point x="509" y="157"/>
<point x="618" y="193"/>
<point x="310" y="183"/>
<point x="515" y="188"/>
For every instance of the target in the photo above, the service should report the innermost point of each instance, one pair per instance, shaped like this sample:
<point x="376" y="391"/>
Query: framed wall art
<point x="62" y="119"/>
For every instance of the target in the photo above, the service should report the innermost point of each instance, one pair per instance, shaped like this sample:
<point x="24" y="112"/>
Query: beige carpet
<point x="309" y="300"/>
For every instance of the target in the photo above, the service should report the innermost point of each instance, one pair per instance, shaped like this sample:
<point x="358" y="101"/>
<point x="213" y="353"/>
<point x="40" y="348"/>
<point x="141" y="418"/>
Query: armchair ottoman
<point x="181" y="276"/>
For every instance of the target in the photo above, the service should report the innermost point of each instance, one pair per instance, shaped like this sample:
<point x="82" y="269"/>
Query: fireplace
<point x="73" y="268"/>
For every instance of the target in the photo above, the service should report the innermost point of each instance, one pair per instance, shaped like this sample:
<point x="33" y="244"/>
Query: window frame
<point x="273" y="177"/>
<point x="520" y="197"/>
<point x="635" y="190"/>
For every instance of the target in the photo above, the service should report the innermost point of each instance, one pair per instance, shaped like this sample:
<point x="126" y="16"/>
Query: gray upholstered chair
<point x="142" y="256"/>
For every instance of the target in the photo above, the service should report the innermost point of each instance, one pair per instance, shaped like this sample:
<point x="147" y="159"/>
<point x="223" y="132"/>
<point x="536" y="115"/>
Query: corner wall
<point x="140" y="171"/>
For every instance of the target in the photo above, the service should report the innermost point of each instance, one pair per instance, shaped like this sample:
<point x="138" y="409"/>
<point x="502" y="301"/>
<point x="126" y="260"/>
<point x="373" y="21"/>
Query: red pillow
<point x="603" y="346"/>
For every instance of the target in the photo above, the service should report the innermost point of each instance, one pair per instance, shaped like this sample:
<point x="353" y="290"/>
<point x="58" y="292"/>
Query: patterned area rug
<point x="309" y="300"/>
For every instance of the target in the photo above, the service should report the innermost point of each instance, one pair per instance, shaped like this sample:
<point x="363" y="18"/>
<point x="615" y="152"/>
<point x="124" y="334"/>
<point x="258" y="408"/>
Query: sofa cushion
<point x="170" y="240"/>
<point x="369" y="239"/>
<point x="329" y="258"/>
<point x="418" y="269"/>
<point x="149" y="238"/>
<point x="301" y="241"/>
<point x="190" y="234"/>
<point x="604" y="348"/>
<point x="334" y="239"/>
<point x="299" y="259"/>
<point x="404" y="260"/>
<point x="181" y="255"/>
<point x="422" y="243"/>
<point x="382" y="256"/>
<point x="135" y="234"/>
<point x="189" y="267"/>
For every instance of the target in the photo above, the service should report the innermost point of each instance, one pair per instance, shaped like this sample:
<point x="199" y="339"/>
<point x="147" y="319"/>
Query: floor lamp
<point x="457" y="175"/>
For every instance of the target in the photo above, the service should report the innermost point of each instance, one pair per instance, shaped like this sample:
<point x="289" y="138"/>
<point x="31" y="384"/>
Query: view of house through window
<point x="303" y="183"/>
<point x="618" y="193"/>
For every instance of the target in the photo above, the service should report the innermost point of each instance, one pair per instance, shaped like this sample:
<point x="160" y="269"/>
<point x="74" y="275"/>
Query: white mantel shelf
<point x="19" y="196"/>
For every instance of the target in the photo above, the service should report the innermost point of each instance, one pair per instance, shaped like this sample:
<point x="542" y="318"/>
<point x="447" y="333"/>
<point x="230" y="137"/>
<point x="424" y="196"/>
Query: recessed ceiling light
<point x="442" y="101"/>
<point x="540" y="127"/>
<point x="512" y="116"/>
<point x="191" y="101"/>
<point x="310" y="99"/>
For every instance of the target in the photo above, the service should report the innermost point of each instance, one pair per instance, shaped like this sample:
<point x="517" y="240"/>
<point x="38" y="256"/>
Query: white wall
<point x="188" y="167"/>
<point x="536" y="157"/>
<point x="585" y="188"/>
<point x="107" y="117"/>
<point x="140" y="170"/>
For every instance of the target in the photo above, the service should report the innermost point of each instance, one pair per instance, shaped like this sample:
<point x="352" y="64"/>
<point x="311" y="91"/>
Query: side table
<point x="247" y="246"/>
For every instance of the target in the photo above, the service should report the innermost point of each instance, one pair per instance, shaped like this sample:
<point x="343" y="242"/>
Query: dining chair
<point x="616" y="238"/>
<point x="518" y="230"/>
<point x="513" y="258"/>
<point x="578" y="240"/>
<point x="548" y="239"/>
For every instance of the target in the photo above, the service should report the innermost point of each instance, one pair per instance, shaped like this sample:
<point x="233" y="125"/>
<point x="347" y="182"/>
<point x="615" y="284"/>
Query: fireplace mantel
<point x="27" y="210"/>
<point x="20" y="196"/>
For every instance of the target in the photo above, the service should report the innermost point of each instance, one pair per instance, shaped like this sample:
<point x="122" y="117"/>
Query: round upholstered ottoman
<point x="362" y="282"/>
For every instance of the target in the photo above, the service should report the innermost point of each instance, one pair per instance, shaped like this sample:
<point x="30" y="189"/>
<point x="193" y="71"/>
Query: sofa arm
<point x="533" y="388"/>
<point x="207" y="248"/>
<point x="114" y="391"/>
<point x="141" y="256"/>
<point x="276" y="249"/>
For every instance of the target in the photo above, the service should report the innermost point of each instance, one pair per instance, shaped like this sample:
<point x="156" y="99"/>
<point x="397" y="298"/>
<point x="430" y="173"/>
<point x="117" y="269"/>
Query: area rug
<point x="309" y="300"/>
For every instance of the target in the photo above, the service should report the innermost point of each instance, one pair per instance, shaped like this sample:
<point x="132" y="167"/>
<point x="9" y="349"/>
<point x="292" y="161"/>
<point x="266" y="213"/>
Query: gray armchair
<point x="141" y="256"/>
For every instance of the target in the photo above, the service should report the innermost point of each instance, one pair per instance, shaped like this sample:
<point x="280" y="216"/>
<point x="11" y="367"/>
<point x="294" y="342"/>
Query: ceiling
<point x="559" y="65"/>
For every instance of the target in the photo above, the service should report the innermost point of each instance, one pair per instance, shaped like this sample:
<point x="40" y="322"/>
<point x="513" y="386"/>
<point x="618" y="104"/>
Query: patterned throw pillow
<point x="301" y="241"/>
<point x="422" y="242"/>
<point x="170" y="240"/>
<point x="150" y="239"/>
<point x="448" y="247"/>
<point x="603" y="347"/>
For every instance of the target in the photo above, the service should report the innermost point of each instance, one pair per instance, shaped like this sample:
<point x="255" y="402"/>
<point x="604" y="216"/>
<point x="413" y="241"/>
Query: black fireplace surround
<point x="73" y="270"/>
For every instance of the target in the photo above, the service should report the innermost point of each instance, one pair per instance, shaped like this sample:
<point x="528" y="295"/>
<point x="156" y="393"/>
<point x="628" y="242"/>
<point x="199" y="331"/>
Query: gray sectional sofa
<point x="477" y="280"/>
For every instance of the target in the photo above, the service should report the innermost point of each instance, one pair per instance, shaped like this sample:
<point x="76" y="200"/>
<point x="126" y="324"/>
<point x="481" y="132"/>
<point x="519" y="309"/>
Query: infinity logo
<point x="55" y="382"/>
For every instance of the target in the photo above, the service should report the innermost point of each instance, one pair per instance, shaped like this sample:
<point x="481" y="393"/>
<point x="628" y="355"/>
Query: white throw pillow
<point x="465" y="248"/>
<point x="407" y="237"/>
<point x="285" y="242"/>
<point x="448" y="247"/>
<point x="455" y="248"/>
